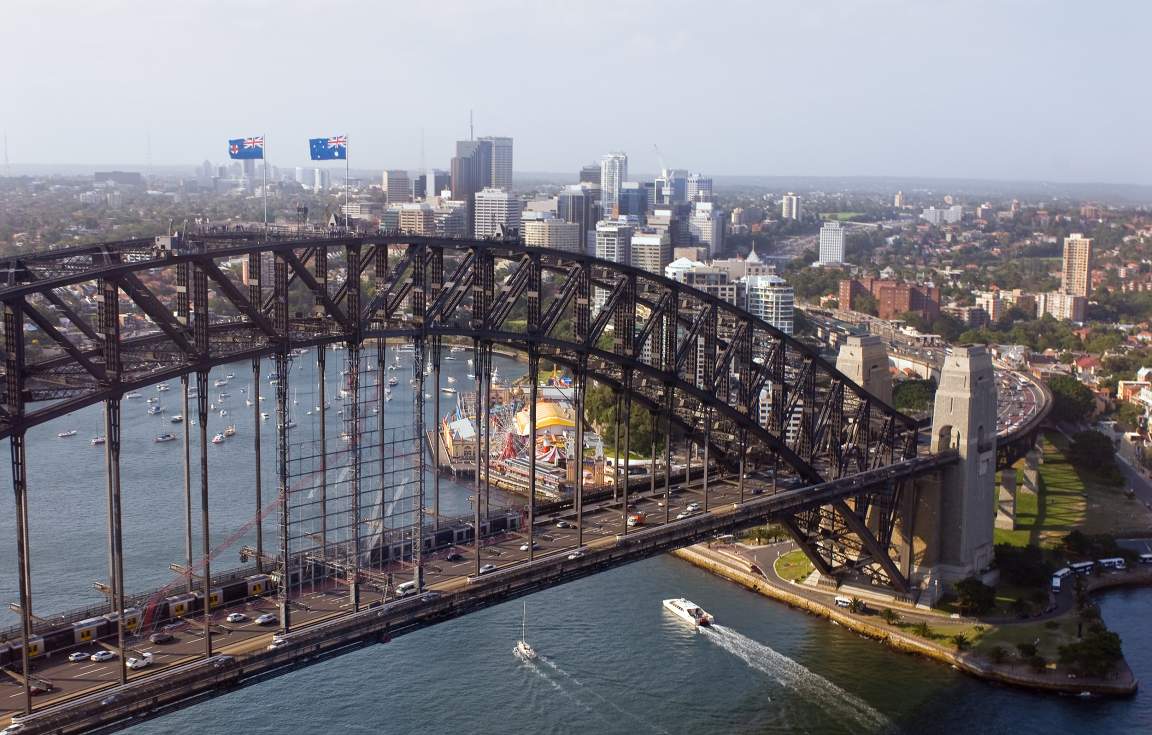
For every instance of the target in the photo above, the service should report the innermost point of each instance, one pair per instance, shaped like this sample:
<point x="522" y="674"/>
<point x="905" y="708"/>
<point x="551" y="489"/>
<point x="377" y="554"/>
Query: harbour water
<point x="612" y="660"/>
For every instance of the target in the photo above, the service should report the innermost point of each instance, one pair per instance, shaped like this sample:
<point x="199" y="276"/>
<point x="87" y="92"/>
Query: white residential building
<point x="831" y="243"/>
<point x="771" y="299"/>
<point x="706" y="227"/>
<point x="790" y="206"/>
<point x="554" y="233"/>
<point x="495" y="207"/>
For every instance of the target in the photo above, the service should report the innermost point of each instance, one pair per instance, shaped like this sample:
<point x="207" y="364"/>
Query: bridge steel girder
<point x="722" y="377"/>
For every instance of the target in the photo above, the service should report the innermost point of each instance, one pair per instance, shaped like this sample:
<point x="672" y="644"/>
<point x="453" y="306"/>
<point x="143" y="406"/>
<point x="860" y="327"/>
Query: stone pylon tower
<point x="865" y="360"/>
<point x="958" y="513"/>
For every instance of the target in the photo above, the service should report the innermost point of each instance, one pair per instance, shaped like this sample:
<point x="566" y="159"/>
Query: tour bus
<point x="1115" y="563"/>
<point x="1058" y="577"/>
<point x="1082" y="567"/>
<point x="1146" y="558"/>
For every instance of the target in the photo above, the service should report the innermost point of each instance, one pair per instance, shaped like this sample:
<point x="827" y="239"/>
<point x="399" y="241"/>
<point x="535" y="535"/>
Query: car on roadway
<point x="13" y="729"/>
<point x="144" y="661"/>
<point x="277" y="641"/>
<point x="682" y="515"/>
<point x="267" y="619"/>
<point x="78" y="656"/>
<point x="692" y="507"/>
<point x="524" y="546"/>
<point x="161" y="637"/>
<point x="236" y="617"/>
<point x="454" y="556"/>
<point x="487" y="568"/>
<point x="101" y="656"/>
<point x="563" y="524"/>
<point x="577" y="554"/>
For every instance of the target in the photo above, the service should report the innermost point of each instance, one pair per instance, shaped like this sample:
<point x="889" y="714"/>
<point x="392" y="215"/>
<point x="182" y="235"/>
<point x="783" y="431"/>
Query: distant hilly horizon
<point x="1111" y="192"/>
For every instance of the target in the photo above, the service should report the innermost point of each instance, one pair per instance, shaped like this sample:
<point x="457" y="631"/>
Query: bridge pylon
<point x="952" y="514"/>
<point x="864" y="359"/>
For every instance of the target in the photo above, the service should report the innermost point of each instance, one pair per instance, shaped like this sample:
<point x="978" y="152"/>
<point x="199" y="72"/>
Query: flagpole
<point x="347" y="181"/>
<point x="265" y="155"/>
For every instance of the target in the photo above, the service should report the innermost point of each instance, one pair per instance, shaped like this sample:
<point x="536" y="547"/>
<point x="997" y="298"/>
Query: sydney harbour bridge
<point x="771" y="432"/>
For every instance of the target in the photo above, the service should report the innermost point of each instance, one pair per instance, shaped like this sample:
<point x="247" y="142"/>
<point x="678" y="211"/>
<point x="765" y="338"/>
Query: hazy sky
<point x="1009" y="89"/>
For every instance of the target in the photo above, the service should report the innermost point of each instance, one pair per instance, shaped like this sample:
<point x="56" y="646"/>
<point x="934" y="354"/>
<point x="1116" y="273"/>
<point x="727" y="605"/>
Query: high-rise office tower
<point x="613" y="242"/>
<point x="471" y="172"/>
<point x="831" y="243"/>
<point x="671" y="187"/>
<point x="397" y="187"/>
<point x="633" y="200"/>
<point x="706" y="227"/>
<point x="1075" y="279"/>
<point x="651" y="250"/>
<point x="590" y="174"/>
<point x="613" y="172"/>
<point x="321" y="179"/>
<point x="500" y="177"/>
<point x="578" y="204"/>
<point x="898" y="200"/>
<point x="699" y="188"/>
<point x="554" y="233"/>
<point x="495" y="208"/>
<point x="790" y="206"/>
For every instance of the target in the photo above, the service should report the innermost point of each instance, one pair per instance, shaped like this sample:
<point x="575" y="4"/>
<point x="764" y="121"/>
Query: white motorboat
<point x="448" y="389"/>
<point x="220" y="382"/>
<point x="154" y="409"/>
<point x="689" y="611"/>
<point x="451" y="379"/>
<point x="524" y="650"/>
<point x="230" y="430"/>
<point x="218" y="439"/>
<point x="66" y="434"/>
<point x="98" y="440"/>
<point x="263" y="415"/>
<point x="130" y="396"/>
<point x="162" y="438"/>
<point x="177" y="419"/>
<point x="162" y="387"/>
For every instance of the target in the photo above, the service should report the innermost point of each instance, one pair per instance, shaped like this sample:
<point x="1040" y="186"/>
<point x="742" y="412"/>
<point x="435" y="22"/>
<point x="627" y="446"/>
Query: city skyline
<point x="1004" y="116"/>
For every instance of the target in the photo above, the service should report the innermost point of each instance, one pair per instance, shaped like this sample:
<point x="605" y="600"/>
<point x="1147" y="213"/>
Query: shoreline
<point x="722" y="565"/>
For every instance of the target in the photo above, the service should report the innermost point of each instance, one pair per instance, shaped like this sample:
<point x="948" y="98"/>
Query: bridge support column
<point x="353" y="377"/>
<point x="436" y="347"/>
<point x="255" y="398"/>
<point x="478" y="375"/>
<point x="115" y="525"/>
<point x="616" y="450"/>
<point x="955" y="518"/>
<point x="627" y="442"/>
<point x="1006" y="502"/>
<point x="23" y="553"/>
<point x="206" y="571"/>
<point x="865" y="360"/>
<point x="418" y="354"/>
<point x="322" y="369"/>
<point x="707" y="439"/>
<point x="533" y="379"/>
<point x="284" y="588"/>
<point x="188" y="552"/>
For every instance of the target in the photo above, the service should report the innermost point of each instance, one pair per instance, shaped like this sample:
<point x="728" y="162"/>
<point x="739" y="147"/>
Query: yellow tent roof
<point x="549" y="415"/>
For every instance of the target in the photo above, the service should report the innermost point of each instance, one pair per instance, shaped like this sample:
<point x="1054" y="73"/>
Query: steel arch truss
<point x="725" y="378"/>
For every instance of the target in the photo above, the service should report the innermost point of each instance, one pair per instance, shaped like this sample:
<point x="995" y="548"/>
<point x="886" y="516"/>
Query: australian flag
<point x="246" y="147"/>
<point x="328" y="149"/>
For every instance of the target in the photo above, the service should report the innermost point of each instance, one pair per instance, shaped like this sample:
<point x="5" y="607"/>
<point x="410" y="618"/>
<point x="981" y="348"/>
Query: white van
<point x="405" y="589"/>
<point x="1146" y="558"/>
<point x="843" y="601"/>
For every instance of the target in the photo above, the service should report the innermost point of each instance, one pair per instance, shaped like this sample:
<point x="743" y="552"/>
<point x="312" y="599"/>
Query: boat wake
<point x="798" y="678"/>
<point x="598" y="696"/>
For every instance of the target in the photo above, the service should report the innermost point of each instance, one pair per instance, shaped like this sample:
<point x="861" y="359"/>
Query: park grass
<point x="794" y="566"/>
<point x="1048" y="635"/>
<point x="1070" y="498"/>
<point x="841" y="216"/>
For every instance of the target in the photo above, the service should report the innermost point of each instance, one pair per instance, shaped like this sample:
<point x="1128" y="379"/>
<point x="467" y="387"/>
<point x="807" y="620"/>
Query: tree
<point x="1072" y="401"/>
<point x="865" y="303"/>
<point x="975" y="597"/>
<point x="1094" y="452"/>
<point x="914" y="395"/>
<point x="1094" y="656"/>
<point x="998" y="655"/>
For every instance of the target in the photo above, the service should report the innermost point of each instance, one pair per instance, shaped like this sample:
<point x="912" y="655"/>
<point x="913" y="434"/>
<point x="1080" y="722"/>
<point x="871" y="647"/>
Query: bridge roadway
<point x="85" y="696"/>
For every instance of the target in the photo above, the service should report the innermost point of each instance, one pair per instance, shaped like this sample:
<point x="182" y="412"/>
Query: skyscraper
<point x="613" y="172"/>
<point x="500" y="176"/>
<point x="554" y="233"/>
<point x="613" y="242"/>
<point x="471" y="172"/>
<point x="790" y="206"/>
<point x="397" y="187"/>
<point x="831" y="243"/>
<point x="671" y="187"/>
<point x="633" y="200"/>
<point x="1075" y="277"/>
<point x="651" y="250"/>
<point x="699" y="188"/>
<point x="590" y="174"/>
<point x="495" y="207"/>
<point x="706" y="227"/>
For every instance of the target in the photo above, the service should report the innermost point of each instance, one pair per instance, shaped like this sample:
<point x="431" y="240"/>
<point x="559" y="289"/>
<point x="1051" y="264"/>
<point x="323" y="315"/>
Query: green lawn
<point x="841" y="216"/>
<point x="1069" y="498"/>
<point x="794" y="566"/>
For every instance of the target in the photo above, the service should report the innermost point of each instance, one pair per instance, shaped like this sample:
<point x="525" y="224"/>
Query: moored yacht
<point x="689" y="611"/>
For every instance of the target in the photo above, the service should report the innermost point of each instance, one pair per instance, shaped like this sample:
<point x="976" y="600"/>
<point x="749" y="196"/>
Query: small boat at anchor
<point x="167" y="437"/>
<point x="689" y="611"/>
<point x="98" y="440"/>
<point x="230" y="430"/>
<point x="66" y="434"/>
<point x="218" y="439"/>
<point x="177" y="419"/>
<point x="154" y="409"/>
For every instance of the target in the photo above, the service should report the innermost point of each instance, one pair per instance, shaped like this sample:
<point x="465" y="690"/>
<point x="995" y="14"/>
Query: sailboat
<point x="523" y="650"/>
